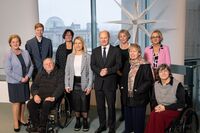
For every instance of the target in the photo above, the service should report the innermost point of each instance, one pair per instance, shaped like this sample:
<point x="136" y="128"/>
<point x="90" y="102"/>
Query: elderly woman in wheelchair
<point x="168" y="100"/>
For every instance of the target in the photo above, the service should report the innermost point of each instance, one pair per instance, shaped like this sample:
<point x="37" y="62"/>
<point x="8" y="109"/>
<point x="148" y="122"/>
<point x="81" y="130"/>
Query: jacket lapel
<point x="83" y="62"/>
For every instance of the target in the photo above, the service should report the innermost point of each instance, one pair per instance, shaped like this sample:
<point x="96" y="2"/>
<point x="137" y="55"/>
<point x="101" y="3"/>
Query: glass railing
<point x="2" y="74"/>
<point x="191" y="74"/>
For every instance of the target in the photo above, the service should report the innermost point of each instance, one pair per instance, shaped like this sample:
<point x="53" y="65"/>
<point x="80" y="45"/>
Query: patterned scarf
<point x="134" y="66"/>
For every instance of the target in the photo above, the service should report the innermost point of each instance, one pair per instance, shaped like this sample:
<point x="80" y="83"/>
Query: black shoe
<point x="100" y="129"/>
<point x="121" y="118"/>
<point x="85" y="125"/>
<point x="42" y="129"/>
<point x="77" y="126"/>
<point x="16" y="129"/>
<point x="21" y="123"/>
<point x="32" y="129"/>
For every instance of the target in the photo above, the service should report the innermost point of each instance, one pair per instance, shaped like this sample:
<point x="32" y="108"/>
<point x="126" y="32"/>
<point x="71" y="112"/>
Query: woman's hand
<point x="68" y="89"/>
<point x="87" y="91"/>
<point x="159" y="108"/>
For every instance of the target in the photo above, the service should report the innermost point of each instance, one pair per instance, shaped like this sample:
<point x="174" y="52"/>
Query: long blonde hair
<point x="83" y="43"/>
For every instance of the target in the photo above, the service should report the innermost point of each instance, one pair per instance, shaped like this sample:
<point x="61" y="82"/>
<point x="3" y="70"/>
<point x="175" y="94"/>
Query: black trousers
<point x="134" y="119"/>
<point x="110" y="97"/>
<point x="39" y="112"/>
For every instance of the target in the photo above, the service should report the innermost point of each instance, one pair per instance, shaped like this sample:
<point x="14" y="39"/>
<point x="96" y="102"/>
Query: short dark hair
<point x="65" y="32"/>
<point x="162" y="67"/>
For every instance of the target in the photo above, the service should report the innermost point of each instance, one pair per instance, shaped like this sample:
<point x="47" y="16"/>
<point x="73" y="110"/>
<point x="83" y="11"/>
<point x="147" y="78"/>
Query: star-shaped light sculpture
<point x="136" y="20"/>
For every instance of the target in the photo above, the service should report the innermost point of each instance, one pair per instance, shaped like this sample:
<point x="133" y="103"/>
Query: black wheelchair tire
<point x="63" y="112"/>
<point x="190" y="121"/>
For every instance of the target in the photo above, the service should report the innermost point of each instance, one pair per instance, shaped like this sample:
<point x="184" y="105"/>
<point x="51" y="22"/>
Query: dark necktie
<point x="104" y="55"/>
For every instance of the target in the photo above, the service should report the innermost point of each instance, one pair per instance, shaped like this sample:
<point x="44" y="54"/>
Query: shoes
<point x="85" y="125"/>
<point x="77" y="126"/>
<point x="100" y="129"/>
<point x="121" y="118"/>
<point x="42" y="130"/>
<point x="16" y="129"/>
<point x="21" y="123"/>
<point x="32" y="129"/>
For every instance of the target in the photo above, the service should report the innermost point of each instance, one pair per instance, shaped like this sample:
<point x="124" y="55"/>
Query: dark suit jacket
<point x="46" y="85"/>
<point x="32" y="47"/>
<point x="142" y="85"/>
<point x="113" y="63"/>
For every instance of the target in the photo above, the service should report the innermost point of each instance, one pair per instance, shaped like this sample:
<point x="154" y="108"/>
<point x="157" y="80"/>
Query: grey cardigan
<point x="13" y="68"/>
<point x="86" y="72"/>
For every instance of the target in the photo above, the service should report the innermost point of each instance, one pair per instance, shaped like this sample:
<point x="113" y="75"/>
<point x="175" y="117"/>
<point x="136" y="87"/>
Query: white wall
<point x="171" y="14"/>
<point x="19" y="17"/>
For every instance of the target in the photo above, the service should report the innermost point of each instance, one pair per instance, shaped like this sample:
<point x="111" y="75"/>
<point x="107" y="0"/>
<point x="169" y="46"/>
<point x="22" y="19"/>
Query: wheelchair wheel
<point x="190" y="121"/>
<point x="64" y="112"/>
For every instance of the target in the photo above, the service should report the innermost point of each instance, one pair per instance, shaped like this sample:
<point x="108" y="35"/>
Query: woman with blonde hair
<point x="78" y="82"/>
<point x="18" y="69"/>
<point x="123" y="37"/>
<point x="157" y="53"/>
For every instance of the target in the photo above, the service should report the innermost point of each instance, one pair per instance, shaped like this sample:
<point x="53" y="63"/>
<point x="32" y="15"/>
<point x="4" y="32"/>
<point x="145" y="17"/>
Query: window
<point x="62" y="14"/>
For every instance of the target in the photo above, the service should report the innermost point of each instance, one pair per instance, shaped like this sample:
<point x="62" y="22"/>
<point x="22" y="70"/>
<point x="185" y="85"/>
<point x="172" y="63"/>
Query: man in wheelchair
<point x="168" y="100"/>
<point x="46" y="89"/>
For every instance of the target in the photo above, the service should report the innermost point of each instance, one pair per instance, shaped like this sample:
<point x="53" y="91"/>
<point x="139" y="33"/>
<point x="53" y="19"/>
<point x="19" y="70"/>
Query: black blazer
<point x="113" y="63"/>
<point x="32" y="47"/>
<point x="142" y="85"/>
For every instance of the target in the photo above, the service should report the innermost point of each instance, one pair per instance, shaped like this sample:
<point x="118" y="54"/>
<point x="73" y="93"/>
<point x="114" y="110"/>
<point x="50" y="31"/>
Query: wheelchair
<point x="59" y="117"/>
<point x="188" y="121"/>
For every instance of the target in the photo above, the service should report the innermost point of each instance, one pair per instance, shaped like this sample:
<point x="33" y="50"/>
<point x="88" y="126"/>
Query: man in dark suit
<point x="105" y="61"/>
<point x="39" y="48"/>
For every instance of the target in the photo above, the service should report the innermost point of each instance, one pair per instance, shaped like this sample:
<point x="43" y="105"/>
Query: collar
<point x="170" y="82"/>
<point x="107" y="46"/>
<point x="161" y="46"/>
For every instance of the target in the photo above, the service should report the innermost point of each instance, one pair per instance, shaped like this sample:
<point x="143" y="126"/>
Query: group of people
<point x="140" y="80"/>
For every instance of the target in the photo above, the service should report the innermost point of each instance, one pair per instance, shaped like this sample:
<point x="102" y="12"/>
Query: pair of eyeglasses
<point x="155" y="37"/>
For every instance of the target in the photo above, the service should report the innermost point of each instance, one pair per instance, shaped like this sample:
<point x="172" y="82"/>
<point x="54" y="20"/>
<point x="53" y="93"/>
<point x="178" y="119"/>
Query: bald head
<point x="104" y="37"/>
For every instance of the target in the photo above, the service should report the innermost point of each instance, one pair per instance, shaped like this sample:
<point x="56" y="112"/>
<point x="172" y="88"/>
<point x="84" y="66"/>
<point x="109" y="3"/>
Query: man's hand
<point x="37" y="99"/>
<point x="50" y="99"/>
<point x="104" y="72"/>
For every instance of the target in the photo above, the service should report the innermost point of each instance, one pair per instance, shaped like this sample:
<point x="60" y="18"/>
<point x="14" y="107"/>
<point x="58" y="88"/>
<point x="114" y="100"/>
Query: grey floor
<point x="6" y="121"/>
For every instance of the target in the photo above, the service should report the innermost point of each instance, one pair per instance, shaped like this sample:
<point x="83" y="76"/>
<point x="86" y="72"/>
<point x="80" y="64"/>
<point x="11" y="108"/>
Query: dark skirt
<point x="80" y="101"/>
<point x="18" y="92"/>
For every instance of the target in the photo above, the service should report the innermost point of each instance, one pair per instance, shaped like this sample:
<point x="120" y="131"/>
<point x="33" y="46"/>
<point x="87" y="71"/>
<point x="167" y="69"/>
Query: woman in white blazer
<point x="78" y="81"/>
<point x="18" y="69"/>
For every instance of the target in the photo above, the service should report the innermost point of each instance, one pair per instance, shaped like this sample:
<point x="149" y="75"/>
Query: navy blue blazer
<point x="32" y="47"/>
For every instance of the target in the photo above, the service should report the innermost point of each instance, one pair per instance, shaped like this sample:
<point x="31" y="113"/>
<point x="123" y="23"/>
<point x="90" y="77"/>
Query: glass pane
<point x="111" y="11"/>
<point x="108" y="12"/>
<point x="58" y="15"/>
